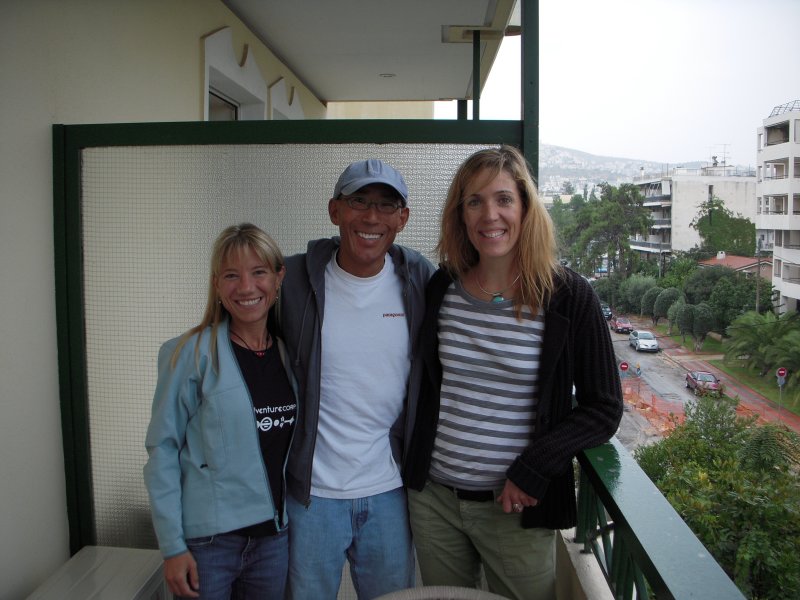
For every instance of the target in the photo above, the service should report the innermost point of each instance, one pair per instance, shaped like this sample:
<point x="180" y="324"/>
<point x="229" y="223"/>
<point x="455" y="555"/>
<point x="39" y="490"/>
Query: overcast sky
<point x="670" y="81"/>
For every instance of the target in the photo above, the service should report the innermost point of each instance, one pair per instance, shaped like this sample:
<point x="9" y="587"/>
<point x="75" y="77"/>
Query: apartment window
<point x="235" y="88"/>
<point x="221" y="108"/>
<point x="778" y="133"/>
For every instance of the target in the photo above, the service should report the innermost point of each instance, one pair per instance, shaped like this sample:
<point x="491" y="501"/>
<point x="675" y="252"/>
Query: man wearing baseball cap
<point x="350" y="313"/>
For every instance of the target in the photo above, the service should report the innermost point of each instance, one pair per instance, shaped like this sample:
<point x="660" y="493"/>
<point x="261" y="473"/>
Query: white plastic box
<point x="107" y="573"/>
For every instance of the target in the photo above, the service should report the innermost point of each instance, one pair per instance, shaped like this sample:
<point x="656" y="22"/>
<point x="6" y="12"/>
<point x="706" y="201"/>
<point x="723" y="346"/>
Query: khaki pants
<point x="454" y="537"/>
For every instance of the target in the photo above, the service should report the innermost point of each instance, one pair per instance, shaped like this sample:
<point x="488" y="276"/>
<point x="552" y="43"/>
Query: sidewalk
<point x="750" y="401"/>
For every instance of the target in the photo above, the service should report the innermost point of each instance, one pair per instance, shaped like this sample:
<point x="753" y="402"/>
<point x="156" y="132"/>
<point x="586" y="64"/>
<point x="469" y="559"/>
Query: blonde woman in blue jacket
<point x="222" y="422"/>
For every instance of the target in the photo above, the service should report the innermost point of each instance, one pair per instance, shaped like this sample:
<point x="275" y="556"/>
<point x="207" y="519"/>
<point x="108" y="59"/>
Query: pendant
<point x="498" y="298"/>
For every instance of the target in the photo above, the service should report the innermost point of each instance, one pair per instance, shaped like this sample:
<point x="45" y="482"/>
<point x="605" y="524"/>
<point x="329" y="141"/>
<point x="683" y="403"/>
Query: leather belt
<point x="471" y="495"/>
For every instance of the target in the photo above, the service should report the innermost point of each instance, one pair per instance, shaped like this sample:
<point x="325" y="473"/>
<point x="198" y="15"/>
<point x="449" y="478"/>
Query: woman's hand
<point x="514" y="499"/>
<point x="181" y="575"/>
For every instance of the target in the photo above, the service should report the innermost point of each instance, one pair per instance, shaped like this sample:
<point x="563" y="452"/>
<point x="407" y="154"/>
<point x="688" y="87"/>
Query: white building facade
<point x="676" y="198"/>
<point x="778" y="199"/>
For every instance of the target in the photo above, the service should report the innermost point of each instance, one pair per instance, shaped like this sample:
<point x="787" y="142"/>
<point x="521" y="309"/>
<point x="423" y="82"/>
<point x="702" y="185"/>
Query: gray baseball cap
<point x="365" y="172"/>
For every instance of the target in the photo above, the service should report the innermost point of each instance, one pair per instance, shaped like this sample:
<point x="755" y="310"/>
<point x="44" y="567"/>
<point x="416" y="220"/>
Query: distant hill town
<point x="558" y="165"/>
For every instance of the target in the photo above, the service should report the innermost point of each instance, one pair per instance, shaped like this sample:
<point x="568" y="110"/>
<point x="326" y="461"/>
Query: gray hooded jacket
<point x="300" y="314"/>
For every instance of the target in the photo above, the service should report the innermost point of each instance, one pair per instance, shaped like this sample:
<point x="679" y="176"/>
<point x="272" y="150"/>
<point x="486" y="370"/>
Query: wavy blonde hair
<point x="536" y="251"/>
<point x="236" y="238"/>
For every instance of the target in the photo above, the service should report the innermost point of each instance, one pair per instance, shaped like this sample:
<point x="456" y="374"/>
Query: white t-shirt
<point x="365" y="363"/>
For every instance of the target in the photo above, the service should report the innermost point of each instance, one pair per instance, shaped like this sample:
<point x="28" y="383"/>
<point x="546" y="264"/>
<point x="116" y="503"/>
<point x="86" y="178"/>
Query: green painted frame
<point x="68" y="143"/>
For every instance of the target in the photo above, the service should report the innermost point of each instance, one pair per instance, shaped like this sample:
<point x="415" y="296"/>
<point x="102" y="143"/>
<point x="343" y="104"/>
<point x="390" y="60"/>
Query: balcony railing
<point x="654" y="245"/>
<point x="642" y="545"/>
<point x="784" y="108"/>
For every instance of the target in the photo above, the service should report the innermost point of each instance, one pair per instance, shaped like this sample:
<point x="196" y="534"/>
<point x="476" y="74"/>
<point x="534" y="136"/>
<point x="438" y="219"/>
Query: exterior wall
<point x="779" y="176"/>
<point x="89" y="61"/>
<point x="689" y="192"/>
<point x="380" y="110"/>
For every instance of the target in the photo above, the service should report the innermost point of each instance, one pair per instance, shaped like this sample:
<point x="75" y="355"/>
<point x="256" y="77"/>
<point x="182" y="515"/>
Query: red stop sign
<point x="623" y="366"/>
<point x="781" y="372"/>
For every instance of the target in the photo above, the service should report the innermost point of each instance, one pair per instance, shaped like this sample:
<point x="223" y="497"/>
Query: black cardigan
<point x="577" y="350"/>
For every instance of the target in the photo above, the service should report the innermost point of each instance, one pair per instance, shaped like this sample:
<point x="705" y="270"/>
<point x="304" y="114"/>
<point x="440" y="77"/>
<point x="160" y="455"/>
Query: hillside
<point x="558" y="164"/>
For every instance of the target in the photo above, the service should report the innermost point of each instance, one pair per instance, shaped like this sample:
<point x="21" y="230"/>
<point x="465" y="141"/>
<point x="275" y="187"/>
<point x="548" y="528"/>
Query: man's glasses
<point x="384" y="206"/>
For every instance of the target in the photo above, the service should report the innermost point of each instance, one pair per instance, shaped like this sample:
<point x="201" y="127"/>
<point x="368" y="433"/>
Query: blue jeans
<point x="241" y="568"/>
<point x="372" y="533"/>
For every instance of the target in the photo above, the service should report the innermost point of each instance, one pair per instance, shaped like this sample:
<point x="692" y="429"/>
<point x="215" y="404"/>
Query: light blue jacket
<point x="205" y="474"/>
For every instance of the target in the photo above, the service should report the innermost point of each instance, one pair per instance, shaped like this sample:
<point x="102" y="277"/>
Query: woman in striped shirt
<point x="508" y="335"/>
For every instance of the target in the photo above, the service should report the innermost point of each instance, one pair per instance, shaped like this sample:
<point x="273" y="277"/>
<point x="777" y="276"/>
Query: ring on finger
<point x="517" y="507"/>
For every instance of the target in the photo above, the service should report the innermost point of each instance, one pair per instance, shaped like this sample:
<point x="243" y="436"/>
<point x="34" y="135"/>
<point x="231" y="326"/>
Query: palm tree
<point x="785" y="352"/>
<point x="752" y="334"/>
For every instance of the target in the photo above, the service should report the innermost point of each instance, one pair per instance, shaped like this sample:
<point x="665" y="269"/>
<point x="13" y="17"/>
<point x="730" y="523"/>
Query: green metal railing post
<point x="530" y="83"/>
<point x="476" y="75"/>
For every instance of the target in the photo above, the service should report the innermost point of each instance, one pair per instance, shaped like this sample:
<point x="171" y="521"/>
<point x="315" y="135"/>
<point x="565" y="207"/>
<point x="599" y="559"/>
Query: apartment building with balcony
<point x="778" y="199"/>
<point x="676" y="196"/>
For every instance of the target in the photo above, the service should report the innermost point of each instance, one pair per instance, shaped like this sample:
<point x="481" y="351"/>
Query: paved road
<point x="659" y="390"/>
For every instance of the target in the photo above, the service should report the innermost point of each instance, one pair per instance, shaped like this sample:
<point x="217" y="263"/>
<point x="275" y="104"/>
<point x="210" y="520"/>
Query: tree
<point x="721" y="230"/>
<point x="731" y="297"/>
<point x="702" y="322"/>
<point x="631" y="291"/>
<point x="785" y="352"/>
<point x="752" y="334"/>
<point x="567" y="188"/>
<point x="648" y="299"/>
<point x="699" y="285"/>
<point x="644" y="267"/>
<point x="664" y="302"/>
<point x="732" y="481"/>
<point x="673" y="312"/>
<point x="684" y="317"/>
<point x="769" y="446"/>
<point x="577" y="202"/>
<point x="677" y="271"/>
<point x="604" y="227"/>
<point x="603" y="288"/>
<point x="563" y="223"/>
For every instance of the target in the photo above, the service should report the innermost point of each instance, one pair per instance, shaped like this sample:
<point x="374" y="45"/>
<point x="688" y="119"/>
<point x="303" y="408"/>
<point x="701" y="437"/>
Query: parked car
<point x="620" y="324"/>
<point x="703" y="380"/>
<point x="606" y="310"/>
<point x="643" y="341"/>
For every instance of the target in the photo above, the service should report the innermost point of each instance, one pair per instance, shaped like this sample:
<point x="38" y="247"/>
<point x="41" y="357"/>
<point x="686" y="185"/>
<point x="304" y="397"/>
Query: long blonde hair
<point x="536" y="250"/>
<point x="236" y="238"/>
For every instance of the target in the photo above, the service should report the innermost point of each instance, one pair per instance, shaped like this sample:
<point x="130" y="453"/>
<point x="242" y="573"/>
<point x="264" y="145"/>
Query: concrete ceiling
<point x="380" y="50"/>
